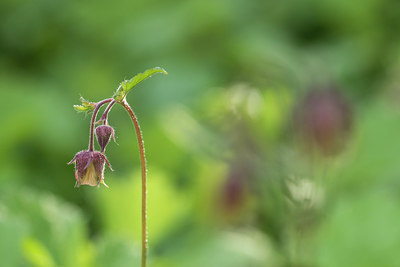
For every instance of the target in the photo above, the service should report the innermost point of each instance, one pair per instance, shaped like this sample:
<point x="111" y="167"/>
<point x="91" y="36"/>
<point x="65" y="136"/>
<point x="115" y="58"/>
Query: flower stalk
<point x="135" y="122"/>
<point x="89" y="164"/>
<point x="96" y="110"/>
<point x="104" y="117"/>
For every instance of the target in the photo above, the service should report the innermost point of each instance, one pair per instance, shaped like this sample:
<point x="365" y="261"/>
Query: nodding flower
<point x="324" y="120"/>
<point x="89" y="168"/>
<point x="103" y="135"/>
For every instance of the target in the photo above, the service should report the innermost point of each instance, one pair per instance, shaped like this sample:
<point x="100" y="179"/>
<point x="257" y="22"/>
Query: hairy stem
<point x="104" y="117"/>
<point x="144" y="179"/>
<point x="95" y="111"/>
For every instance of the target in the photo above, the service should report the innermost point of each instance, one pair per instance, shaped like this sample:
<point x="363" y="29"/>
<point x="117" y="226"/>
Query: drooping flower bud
<point x="89" y="168"/>
<point x="324" y="120"/>
<point x="103" y="135"/>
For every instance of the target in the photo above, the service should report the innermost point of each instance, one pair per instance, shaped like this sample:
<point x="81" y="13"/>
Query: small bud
<point x="324" y="120"/>
<point x="103" y="135"/>
<point x="89" y="168"/>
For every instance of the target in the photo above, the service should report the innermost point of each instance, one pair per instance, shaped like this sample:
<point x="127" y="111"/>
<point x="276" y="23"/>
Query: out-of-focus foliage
<point x="236" y="150"/>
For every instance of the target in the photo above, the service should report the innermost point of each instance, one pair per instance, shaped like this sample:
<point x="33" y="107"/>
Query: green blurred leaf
<point x="55" y="231"/>
<point x="13" y="230"/>
<point x="127" y="85"/>
<point x="360" y="231"/>
<point x="120" y="211"/>
<point x="116" y="252"/>
<point x="36" y="253"/>
<point x="223" y="249"/>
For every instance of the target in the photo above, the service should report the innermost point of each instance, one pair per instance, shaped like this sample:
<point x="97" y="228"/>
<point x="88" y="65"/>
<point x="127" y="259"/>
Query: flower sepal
<point x="89" y="168"/>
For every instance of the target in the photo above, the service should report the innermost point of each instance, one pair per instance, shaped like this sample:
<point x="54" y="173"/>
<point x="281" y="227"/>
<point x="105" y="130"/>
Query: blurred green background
<point x="273" y="141"/>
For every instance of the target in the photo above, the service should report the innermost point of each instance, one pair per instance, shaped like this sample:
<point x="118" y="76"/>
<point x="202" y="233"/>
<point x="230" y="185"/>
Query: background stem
<point x="144" y="180"/>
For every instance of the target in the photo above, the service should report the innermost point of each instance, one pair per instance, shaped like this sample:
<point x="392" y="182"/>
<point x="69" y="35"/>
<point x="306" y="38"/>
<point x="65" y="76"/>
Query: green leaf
<point x="127" y="85"/>
<point x="85" y="107"/>
<point x="36" y="253"/>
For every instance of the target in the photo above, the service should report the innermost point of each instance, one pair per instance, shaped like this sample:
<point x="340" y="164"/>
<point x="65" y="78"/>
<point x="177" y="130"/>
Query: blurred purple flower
<point x="323" y="119"/>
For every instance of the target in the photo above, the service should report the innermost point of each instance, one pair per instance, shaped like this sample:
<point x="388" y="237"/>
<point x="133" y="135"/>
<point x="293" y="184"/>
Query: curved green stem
<point x="144" y="179"/>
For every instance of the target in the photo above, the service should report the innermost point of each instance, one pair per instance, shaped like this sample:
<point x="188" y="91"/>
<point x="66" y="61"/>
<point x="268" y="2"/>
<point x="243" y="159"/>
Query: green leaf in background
<point x="127" y="85"/>
<point x="13" y="230"/>
<point x="120" y="210"/>
<point x="114" y="252"/>
<point x="246" y="248"/>
<point x="36" y="253"/>
<point x="360" y="231"/>
<point x="42" y="230"/>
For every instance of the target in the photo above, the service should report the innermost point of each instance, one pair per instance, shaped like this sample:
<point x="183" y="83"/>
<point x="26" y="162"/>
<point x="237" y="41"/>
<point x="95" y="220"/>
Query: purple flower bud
<point x="103" y="135"/>
<point x="233" y="193"/>
<point x="89" y="168"/>
<point x="324" y="119"/>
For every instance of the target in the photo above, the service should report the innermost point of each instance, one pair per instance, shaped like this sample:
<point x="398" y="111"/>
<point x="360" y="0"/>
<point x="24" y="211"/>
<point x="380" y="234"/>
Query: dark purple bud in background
<point x="233" y="195"/>
<point x="89" y="168"/>
<point x="323" y="119"/>
<point x="103" y="135"/>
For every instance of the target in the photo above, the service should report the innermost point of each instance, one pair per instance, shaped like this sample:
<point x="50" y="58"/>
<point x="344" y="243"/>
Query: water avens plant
<point x="89" y="164"/>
